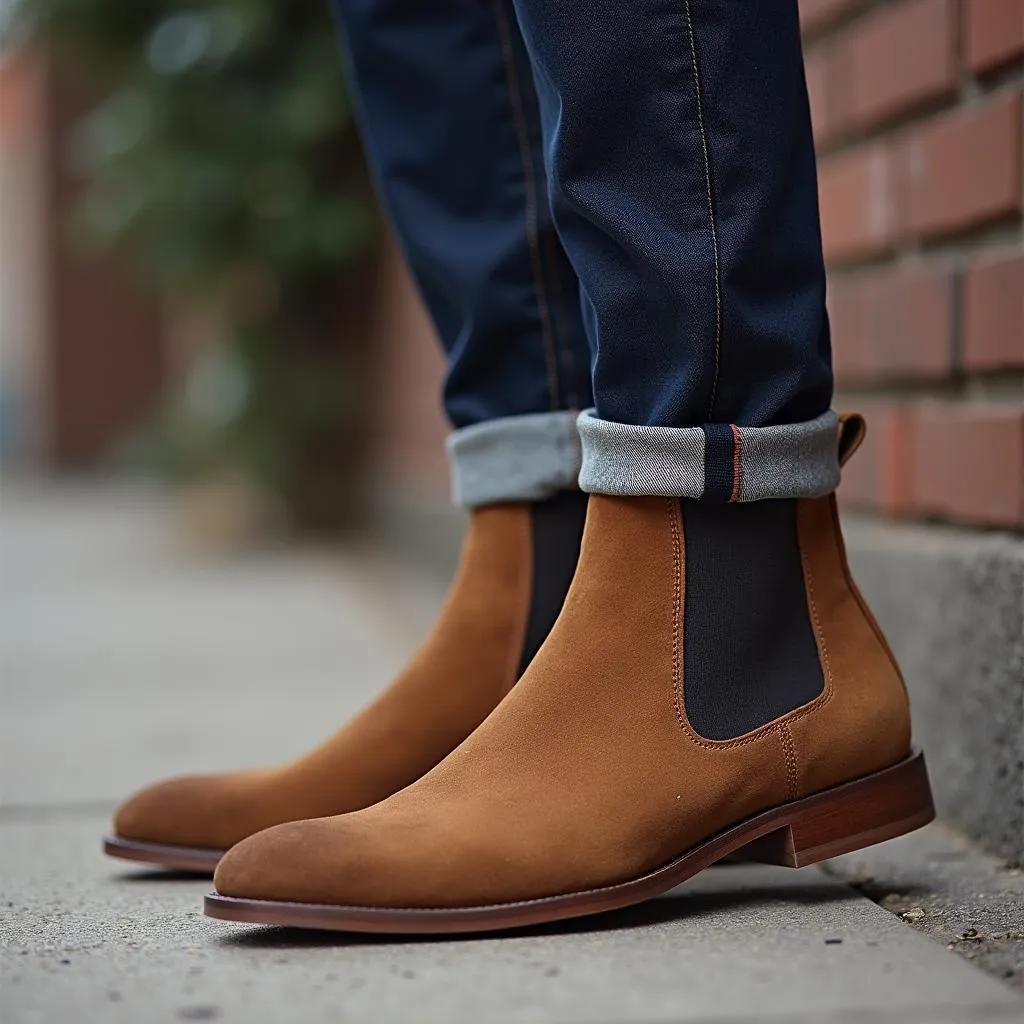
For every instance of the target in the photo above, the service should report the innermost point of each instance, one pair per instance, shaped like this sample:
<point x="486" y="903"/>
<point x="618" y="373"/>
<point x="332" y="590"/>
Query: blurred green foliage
<point x="222" y="152"/>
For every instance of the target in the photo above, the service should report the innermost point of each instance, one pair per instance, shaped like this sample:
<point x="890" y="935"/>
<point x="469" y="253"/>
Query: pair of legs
<point x="612" y="218"/>
<point x="618" y="212"/>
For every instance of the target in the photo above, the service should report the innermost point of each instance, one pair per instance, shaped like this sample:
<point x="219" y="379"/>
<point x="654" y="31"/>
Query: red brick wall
<point x="90" y="365"/>
<point x="917" y="108"/>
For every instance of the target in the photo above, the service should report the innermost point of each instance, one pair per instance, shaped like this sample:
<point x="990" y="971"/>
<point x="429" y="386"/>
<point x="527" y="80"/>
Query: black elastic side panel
<point x="557" y="528"/>
<point x="748" y="646"/>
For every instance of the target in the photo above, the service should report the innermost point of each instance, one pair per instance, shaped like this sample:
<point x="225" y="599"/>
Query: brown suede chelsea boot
<point x="516" y="565"/>
<point x="715" y="683"/>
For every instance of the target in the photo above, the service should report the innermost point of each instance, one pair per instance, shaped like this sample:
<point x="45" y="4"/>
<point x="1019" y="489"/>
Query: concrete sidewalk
<point x="124" y="658"/>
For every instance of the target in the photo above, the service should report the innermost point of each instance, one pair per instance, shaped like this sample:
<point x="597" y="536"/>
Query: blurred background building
<point x="250" y="323"/>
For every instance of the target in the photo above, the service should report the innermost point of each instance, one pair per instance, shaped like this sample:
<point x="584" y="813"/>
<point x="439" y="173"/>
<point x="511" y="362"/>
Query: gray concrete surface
<point x="125" y="657"/>
<point x="947" y="888"/>
<point x="127" y="654"/>
<point x="952" y="605"/>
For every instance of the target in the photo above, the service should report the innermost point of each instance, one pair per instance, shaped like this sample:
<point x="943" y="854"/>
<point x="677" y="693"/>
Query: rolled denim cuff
<point x="517" y="458"/>
<point x="716" y="462"/>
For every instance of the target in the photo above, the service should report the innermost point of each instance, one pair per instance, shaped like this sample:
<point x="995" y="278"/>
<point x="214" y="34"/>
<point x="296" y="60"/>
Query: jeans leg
<point x="681" y="166"/>
<point x="451" y="126"/>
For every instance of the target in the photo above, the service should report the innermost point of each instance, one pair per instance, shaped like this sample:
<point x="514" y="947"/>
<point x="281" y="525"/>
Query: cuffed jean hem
<point x="516" y="458"/>
<point x="717" y="462"/>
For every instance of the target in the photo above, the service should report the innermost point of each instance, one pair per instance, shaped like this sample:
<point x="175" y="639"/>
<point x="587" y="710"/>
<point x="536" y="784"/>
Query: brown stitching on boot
<point x="530" y="188"/>
<point x="786" y="737"/>
<point x="675" y="520"/>
<point x="859" y="597"/>
<point x="678" y="682"/>
<point x="812" y="607"/>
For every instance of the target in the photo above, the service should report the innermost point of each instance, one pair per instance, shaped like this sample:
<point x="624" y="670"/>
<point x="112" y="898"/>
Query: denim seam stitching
<point x="711" y="210"/>
<point x="561" y="344"/>
<point x="548" y="269"/>
<point x="529" y="181"/>
<point x="568" y="360"/>
<point x="737" y="455"/>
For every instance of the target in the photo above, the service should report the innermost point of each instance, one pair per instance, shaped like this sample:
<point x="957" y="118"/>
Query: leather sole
<point x="849" y="817"/>
<point x="176" y="858"/>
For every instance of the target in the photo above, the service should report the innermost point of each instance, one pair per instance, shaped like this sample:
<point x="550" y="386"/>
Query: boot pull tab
<point x="852" y="429"/>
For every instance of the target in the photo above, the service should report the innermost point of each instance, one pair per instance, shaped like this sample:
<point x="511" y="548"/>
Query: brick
<point x="959" y="463"/>
<point x="900" y="57"/>
<point x="22" y="89"/>
<point x="818" y="67"/>
<point x="845" y="305"/>
<point x="910" y="318"/>
<point x="894" y="325"/>
<point x="993" y="315"/>
<point x="409" y="427"/>
<point x="858" y="208"/>
<point x="993" y="31"/>
<point x="877" y="476"/>
<point x="826" y="77"/>
<point x="963" y="170"/>
<point x="967" y="463"/>
<point x="815" y="14"/>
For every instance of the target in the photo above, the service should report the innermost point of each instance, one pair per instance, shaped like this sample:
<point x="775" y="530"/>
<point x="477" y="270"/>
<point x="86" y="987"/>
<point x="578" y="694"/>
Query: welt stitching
<point x="530" y="188"/>
<point x="711" y="210"/>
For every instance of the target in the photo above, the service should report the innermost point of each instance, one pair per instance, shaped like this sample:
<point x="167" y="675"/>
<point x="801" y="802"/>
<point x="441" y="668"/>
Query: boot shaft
<point x="753" y="611"/>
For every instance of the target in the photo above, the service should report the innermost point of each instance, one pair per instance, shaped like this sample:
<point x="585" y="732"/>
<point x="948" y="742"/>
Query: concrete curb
<point x="952" y="604"/>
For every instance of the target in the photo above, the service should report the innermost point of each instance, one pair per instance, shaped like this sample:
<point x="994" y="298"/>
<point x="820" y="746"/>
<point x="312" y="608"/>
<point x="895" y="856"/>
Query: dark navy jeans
<point x="613" y="206"/>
